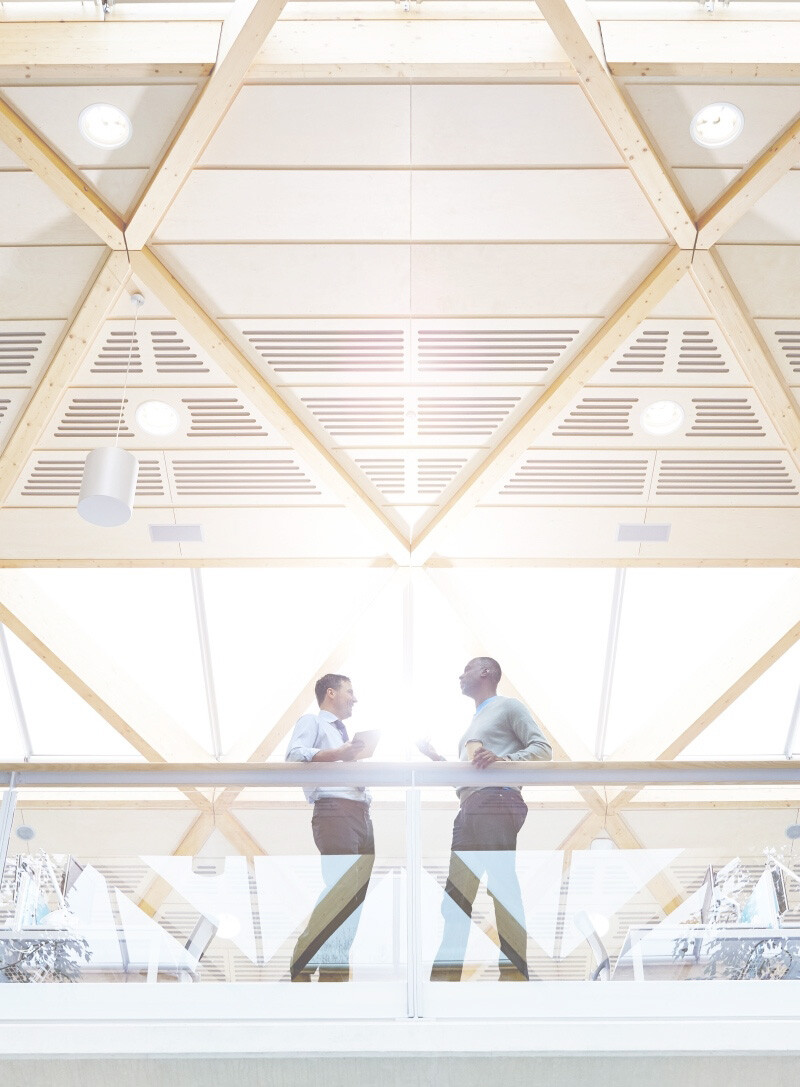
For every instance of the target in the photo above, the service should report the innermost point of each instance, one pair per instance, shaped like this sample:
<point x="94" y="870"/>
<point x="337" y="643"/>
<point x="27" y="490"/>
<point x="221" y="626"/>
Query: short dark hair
<point x="495" y="671"/>
<point x="330" y="679"/>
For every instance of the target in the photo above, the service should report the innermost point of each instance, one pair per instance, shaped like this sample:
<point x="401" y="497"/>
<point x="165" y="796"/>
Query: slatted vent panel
<point x="52" y="478"/>
<point x="173" y="355"/>
<point x="240" y="478"/>
<point x="330" y="351"/>
<point x="387" y="473"/>
<point x="724" y="417"/>
<point x="715" y="476"/>
<point x="788" y="341"/>
<point x="358" y="416"/>
<point x="699" y="353"/>
<point x="18" y="351"/>
<point x="169" y="351"/>
<point x="436" y="473"/>
<point x="462" y="415"/>
<point x="577" y="476"/>
<point x="221" y="417"/>
<point x="646" y="355"/>
<point x="5" y="404"/>
<point x="598" y="417"/>
<point x="119" y="347"/>
<point x="93" y="417"/>
<point x="495" y="351"/>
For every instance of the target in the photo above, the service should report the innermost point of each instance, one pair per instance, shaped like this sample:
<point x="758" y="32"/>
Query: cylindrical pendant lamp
<point x="108" y="487"/>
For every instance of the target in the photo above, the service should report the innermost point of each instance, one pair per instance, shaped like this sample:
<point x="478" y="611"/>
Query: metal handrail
<point x="405" y="774"/>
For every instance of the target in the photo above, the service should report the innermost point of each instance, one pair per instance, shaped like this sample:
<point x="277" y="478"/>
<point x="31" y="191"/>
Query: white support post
<point x="13" y="690"/>
<point x="7" y="810"/>
<point x="793" y="725"/>
<point x="205" y="656"/>
<point x="611" y="659"/>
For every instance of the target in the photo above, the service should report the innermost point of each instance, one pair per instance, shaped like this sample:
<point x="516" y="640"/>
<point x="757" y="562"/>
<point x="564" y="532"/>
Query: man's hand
<point x="484" y="757"/>
<point x="349" y="752"/>
<point x="426" y="748"/>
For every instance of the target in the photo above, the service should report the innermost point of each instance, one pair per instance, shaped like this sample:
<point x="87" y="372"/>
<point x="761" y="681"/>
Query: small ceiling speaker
<point x="108" y="487"/>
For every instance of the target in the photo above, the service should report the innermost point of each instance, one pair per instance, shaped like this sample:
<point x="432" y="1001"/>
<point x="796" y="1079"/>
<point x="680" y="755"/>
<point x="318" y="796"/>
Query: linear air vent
<point x="570" y="475"/>
<point x="173" y="355"/>
<point x="718" y="476"/>
<point x="51" y="478"/>
<point x="377" y="415"/>
<point x="221" y="417"/>
<point x="789" y="343"/>
<point x="724" y="417"/>
<point x="476" y="416"/>
<point x="18" y="350"/>
<point x="4" y="406"/>
<point x="495" y="351"/>
<point x="119" y="349"/>
<point x="238" y="478"/>
<point x="646" y="355"/>
<point x="323" y="351"/>
<point x="436" y="473"/>
<point x="598" y="417"/>
<point x="93" y="417"/>
<point x="699" y="353"/>
<point x="387" y="473"/>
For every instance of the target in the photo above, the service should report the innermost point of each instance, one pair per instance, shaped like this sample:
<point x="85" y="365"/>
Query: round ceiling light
<point x="662" y="417"/>
<point x="105" y="126"/>
<point x="716" y="125"/>
<point x="157" y="418"/>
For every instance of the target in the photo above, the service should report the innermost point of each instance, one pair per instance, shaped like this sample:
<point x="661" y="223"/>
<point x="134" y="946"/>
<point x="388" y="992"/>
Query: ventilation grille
<point x="715" y="476"/>
<point x="646" y="355"/>
<point x="598" y="417"/>
<point x="436" y="473"/>
<point x="221" y="417"/>
<point x="358" y="416"/>
<point x="240" y="478"/>
<point x="497" y="351"/>
<point x="789" y="344"/>
<point x="387" y="473"/>
<point x="170" y="352"/>
<point x="5" y="404"/>
<point x="62" y="479"/>
<point x="699" y="354"/>
<point x="324" y="351"/>
<point x="577" y="476"/>
<point x="18" y="351"/>
<point x="471" y="416"/>
<point x="94" y="417"/>
<point x="724" y="417"/>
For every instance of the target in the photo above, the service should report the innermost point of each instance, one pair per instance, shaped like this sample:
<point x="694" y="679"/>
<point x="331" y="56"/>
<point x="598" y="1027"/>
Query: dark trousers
<point x="484" y="840"/>
<point x="343" y="834"/>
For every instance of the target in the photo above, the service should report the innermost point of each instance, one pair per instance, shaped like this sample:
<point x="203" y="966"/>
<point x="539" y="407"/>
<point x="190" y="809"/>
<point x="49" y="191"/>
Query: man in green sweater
<point x="486" y="827"/>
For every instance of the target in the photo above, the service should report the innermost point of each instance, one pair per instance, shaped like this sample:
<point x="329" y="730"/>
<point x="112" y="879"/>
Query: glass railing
<point x="592" y="874"/>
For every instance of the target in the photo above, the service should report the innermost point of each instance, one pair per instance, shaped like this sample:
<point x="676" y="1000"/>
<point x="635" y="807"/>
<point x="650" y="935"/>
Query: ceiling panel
<point x="774" y="218"/>
<point x="310" y="125"/>
<point x="44" y="281"/>
<point x="54" y="111"/>
<point x="667" y="110"/>
<point x="282" y="280"/>
<point x="783" y="339"/>
<point x="702" y="186"/>
<point x="518" y="280"/>
<point x="25" y="349"/>
<point x="519" y="125"/>
<point x="669" y="352"/>
<point x="31" y="214"/>
<point x="767" y="276"/>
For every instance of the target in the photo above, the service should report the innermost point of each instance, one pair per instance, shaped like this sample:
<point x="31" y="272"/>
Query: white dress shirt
<point x="317" y="732"/>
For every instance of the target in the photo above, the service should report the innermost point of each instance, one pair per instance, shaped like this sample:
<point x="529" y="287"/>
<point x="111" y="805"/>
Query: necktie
<point x="339" y="726"/>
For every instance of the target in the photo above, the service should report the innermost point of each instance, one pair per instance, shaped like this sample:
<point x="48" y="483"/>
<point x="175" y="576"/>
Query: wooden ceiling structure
<point x="412" y="273"/>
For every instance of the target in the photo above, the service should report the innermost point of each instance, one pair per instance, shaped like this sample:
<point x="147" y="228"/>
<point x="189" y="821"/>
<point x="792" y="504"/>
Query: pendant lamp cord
<point x="137" y="301"/>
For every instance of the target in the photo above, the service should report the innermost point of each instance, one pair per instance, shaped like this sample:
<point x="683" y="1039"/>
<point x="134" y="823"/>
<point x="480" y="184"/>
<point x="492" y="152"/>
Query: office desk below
<point x="699" y="952"/>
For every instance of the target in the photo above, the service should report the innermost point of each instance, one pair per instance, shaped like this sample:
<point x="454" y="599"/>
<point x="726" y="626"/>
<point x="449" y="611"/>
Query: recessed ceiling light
<point x="105" y="126"/>
<point x="157" y="418"/>
<point x="716" y="125"/>
<point x="661" y="417"/>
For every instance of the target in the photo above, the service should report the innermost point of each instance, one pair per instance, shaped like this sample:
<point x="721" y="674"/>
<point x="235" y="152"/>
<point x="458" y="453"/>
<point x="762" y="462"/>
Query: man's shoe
<point x="304" y="975"/>
<point x="334" y="973"/>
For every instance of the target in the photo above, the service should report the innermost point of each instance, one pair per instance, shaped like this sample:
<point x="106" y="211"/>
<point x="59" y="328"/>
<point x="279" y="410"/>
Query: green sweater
<point x="505" y="727"/>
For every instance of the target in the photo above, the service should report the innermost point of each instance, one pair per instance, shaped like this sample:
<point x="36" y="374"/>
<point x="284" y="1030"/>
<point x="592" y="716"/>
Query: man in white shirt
<point x="342" y="830"/>
<point x="486" y="827"/>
